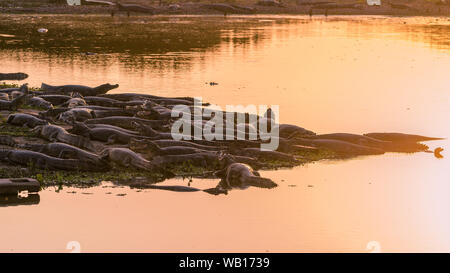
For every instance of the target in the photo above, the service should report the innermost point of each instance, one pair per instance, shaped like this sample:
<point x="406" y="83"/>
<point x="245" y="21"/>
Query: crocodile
<point x="104" y="134"/>
<point x="137" y="96"/>
<point x="92" y="126"/>
<point x="12" y="105"/>
<point x="83" y="90"/>
<point x="142" y="145"/>
<point x="56" y="99"/>
<point x="108" y="102"/>
<point x="400" y="137"/>
<point x="126" y="158"/>
<point x="355" y="139"/>
<point x="74" y="102"/>
<point x="126" y="122"/>
<point x="205" y="159"/>
<point x="152" y="147"/>
<point x="66" y="151"/>
<point x="8" y="141"/>
<point x="25" y="120"/>
<point x="55" y="133"/>
<point x="43" y="161"/>
<point x="340" y="147"/>
<point x="263" y="154"/>
<point x="76" y="114"/>
<point x="41" y="103"/>
<point x="239" y="175"/>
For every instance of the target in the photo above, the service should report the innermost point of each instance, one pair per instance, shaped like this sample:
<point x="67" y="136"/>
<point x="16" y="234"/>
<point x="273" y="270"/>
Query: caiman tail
<point x="260" y="182"/>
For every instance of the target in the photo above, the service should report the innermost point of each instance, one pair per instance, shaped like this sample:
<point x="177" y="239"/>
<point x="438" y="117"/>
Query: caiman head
<point x="102" y="89"/>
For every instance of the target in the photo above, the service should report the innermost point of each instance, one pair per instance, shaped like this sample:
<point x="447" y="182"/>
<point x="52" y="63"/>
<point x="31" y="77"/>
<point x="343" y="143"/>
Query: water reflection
<point x="168" y="43"/>
<point x="341" y="74"/>
<point x="19" y="200"/>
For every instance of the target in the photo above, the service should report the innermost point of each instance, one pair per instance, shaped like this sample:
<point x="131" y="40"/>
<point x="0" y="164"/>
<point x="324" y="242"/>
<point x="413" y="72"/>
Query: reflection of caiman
<point x="15" y="200"/>
<point x="13" y="76"/>
<point x="399" y="142"/>
<point x="236" y="175"/>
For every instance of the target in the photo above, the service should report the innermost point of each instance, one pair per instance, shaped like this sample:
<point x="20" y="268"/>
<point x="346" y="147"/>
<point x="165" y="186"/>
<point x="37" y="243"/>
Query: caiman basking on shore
<point x="105" y="134"/>
<point x="83" y="90"/>
<point x="25" y="120"/>
<point x="43" y="161"/>
<point x="55" y="133"/>
<point x="15" y="103"/>
<point x="66" y="151"/>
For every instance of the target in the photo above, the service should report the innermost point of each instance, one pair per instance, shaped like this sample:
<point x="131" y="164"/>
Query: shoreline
<point x="428" y="9"/>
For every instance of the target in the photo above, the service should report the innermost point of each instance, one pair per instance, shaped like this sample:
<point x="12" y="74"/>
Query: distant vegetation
<point x="36" y="3"/>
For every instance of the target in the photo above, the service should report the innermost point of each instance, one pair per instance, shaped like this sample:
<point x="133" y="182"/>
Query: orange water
<point x="341" y="74"/>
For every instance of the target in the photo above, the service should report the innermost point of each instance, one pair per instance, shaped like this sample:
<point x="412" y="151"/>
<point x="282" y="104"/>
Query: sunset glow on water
<point x="351" y="74"/>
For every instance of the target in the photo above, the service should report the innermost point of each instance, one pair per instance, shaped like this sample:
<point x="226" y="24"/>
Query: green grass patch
<point x="65" y="178"/>
<point x="16" y="131"/>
